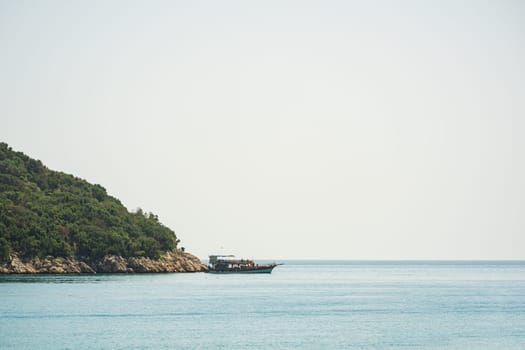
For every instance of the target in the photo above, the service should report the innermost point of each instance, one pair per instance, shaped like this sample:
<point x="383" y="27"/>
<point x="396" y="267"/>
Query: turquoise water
<point x="301" y="305"/>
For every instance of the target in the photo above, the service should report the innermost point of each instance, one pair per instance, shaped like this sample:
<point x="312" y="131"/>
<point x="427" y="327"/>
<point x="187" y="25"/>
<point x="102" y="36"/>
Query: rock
<point x="17" y="266"/>
<point x="37" y="263"/>
<point x="85" y="268"/>
<point x="56" y="269"/>
<point x="71" y="266"/>
<point x="112" y="264"/>
<point x="172" y="261"/>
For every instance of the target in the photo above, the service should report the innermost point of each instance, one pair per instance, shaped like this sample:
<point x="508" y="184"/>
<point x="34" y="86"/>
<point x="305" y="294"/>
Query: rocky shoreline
<point x="174" y="261"/>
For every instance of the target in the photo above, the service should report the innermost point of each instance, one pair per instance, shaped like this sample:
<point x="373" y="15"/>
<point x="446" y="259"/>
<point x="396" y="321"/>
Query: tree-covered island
<point x="49" y="218"/>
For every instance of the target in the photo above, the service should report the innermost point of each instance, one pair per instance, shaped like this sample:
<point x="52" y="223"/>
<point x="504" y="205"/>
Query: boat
<point x="231" y="264"/>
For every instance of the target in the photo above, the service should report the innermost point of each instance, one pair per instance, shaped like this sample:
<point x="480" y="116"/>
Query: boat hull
<point x="260" y="269"/>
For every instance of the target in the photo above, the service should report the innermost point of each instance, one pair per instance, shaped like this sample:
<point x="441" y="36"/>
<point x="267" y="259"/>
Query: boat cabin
<point x="229" y="262"/>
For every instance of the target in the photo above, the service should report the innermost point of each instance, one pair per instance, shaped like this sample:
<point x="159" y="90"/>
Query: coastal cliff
<point x="174" y="261"/>
<point x="52" y="222"/>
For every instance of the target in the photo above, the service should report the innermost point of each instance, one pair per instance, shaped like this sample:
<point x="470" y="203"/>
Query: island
<point x="52" y="222"/>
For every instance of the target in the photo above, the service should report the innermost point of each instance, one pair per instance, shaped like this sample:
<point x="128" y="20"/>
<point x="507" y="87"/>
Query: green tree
<point x="45" y="212"/>
<point x="5" y="249"/>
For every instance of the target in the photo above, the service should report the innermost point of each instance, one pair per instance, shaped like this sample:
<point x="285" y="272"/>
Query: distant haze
<point x="283" y="129"/>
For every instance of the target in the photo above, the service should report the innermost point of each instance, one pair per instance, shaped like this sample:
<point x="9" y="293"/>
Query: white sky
<point x="283" y="129"/>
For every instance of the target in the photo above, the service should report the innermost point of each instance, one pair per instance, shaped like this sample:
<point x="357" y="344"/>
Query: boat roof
<point x="223" y="257"/>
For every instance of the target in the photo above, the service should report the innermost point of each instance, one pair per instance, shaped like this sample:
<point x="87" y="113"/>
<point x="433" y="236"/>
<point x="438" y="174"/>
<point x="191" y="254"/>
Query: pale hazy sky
<point x="283" y="129"/>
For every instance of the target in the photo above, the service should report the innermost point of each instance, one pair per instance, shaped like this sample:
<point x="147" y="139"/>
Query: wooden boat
<point x="231" y="264"/>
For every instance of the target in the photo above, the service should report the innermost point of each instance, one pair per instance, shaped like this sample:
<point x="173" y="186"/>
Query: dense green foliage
<point x="45" y="212"/>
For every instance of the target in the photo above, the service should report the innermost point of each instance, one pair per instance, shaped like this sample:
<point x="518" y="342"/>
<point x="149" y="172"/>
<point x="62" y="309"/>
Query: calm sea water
<point x="301" y="305"/>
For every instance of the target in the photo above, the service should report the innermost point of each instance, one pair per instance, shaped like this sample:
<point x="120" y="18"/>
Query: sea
<point x="301" y="305"/>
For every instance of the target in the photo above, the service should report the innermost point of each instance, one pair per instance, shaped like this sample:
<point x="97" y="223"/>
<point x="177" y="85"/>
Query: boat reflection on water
<point x="231" y="264"/>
